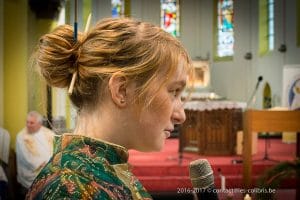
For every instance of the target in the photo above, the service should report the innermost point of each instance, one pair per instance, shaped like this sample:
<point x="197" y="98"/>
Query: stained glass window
<point x="117" y="8"/>
<point x="170" y="16"/>
<point x="225" y="28"/>
<point x="266" y="26"/>
<point x="271" y="24"/>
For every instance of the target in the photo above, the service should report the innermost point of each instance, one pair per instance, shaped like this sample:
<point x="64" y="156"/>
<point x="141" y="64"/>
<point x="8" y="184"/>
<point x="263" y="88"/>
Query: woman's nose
<point x="178" y="116"/>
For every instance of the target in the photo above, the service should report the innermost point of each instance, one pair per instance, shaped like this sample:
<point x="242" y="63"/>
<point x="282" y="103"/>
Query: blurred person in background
<point x="4" y="161"/>
<point x="34" y="147"/>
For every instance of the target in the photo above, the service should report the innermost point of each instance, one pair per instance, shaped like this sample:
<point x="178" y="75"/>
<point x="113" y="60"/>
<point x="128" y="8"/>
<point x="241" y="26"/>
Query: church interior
<point x="242" y="112"/>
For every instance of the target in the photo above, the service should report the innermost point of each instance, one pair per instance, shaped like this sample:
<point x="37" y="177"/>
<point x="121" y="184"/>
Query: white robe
<point x="4" y="145"/>
<point x="32" y="151"/>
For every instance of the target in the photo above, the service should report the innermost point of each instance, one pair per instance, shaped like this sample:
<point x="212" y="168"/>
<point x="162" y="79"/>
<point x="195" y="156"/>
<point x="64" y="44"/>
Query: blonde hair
<point x="134" y="49"/>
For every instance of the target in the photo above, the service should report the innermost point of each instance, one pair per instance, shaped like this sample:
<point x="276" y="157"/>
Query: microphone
<point x="202" y="179"/>
<point x="259" y="79"/>
<point x="252" y="97"/>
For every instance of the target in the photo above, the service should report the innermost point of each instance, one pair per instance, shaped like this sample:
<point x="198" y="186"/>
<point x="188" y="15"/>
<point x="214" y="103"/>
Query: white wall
<point x="234" y="79"/>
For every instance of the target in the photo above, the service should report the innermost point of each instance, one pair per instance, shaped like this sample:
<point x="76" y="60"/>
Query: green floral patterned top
<point x="86" y="168"/>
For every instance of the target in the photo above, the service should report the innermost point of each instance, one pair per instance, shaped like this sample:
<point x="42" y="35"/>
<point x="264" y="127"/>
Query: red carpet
<point x="161" y="171"/>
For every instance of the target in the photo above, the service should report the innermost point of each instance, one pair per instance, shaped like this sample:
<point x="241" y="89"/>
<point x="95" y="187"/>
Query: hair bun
<point x="57" y="56"/>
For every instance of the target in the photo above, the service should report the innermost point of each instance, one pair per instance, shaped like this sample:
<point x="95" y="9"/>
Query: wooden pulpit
<point x="264" y="120"/>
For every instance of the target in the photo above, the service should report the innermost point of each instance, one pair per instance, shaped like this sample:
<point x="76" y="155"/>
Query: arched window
<point x="266" y="26"/>
<point x="224" y="30"/>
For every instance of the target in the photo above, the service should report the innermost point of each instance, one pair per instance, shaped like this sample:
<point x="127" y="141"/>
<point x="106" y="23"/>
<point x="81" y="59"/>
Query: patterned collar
<point x="92" y="147"/>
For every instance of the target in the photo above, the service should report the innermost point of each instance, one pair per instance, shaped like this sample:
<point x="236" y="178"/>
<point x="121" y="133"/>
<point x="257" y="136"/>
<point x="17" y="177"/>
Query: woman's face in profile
<point x="156" y="122"/>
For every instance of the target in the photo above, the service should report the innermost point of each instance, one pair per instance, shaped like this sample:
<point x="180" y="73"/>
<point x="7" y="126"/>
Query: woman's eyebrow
<point x="182" y="83"/>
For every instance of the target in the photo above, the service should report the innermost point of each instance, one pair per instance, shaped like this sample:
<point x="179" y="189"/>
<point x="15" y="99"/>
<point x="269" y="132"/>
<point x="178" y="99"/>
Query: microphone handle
<point x="250" y="101"/>
<point x="208" y="193"/>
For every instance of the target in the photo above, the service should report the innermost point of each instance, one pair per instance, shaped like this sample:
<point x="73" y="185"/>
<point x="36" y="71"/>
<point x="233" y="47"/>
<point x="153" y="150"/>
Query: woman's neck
<point x="102" y="125"/>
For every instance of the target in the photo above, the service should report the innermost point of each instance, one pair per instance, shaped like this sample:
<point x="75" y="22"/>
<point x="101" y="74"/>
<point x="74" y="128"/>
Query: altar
<point x="211" y="127"/>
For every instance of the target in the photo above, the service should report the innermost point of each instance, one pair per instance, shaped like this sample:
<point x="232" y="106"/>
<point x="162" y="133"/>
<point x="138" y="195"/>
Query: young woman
<point x="126" y="79"/>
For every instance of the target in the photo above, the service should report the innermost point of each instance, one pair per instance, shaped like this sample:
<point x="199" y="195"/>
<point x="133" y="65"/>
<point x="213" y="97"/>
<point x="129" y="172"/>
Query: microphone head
<point x="201" y="174"/>
<point x="260" y="78"/>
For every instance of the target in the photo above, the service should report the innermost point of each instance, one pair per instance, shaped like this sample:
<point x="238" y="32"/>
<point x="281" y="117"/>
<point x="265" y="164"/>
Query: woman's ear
<point x="120" y="90"/>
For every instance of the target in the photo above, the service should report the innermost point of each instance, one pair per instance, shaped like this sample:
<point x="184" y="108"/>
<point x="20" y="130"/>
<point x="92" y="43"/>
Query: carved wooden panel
<point x="211" y="132"/>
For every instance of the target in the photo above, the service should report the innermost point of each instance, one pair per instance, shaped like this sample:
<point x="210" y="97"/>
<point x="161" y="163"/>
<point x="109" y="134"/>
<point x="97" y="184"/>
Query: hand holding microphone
<point x="202" y="179"/>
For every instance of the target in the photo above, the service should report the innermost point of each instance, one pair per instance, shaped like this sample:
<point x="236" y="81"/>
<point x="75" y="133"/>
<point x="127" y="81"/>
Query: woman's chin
<point x="152" y="148"/>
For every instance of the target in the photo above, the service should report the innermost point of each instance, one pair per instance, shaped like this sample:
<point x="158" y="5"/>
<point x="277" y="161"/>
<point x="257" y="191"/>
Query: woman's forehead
<point x="31" y="118"/>
<point x="174" y="74"/>
<point x="180" y="75"/>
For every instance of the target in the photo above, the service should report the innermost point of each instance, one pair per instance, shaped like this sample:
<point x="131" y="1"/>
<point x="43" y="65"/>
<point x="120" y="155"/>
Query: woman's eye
<point x="176" y="92"/>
